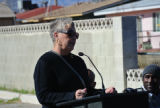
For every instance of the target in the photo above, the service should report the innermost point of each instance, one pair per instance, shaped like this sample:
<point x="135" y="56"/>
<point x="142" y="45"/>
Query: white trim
<point x="120" y="10"/>
<point x="136" y="6"/>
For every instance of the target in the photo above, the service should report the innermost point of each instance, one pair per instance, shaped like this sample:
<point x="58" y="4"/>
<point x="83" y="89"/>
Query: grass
<point x="18" y="91"/>
<point x="2" y="101"/>
<point x="14" y="100"/>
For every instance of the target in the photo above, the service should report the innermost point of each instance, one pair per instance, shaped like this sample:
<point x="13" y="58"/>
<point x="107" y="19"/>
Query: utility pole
<point x="47" y="8"/>
<point x="56" y="2"/>
<point x="47" y="11"/>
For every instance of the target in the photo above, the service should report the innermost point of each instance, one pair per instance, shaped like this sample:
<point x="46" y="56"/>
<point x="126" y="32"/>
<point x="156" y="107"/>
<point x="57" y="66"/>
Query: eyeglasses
<point x="70" y="33"/>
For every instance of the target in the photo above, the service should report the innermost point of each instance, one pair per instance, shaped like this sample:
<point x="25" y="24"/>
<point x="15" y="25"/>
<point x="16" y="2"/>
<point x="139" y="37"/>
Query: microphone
<point x="82" y="54"/>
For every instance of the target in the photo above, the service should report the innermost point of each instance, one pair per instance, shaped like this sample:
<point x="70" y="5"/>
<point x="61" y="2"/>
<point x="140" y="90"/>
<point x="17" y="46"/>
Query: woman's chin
<point x="70" y="49"/>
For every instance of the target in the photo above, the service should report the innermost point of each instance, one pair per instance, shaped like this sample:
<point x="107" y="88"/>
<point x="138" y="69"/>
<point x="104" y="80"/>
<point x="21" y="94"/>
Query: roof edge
<point x="108" y="6"/>
<point x="51" y="18"/>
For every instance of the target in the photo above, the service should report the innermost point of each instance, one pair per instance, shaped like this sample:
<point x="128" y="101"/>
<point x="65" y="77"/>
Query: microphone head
<point x="80" y="54"/>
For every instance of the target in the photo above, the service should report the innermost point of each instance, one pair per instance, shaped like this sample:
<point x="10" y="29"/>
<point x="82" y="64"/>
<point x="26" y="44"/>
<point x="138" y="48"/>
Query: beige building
<point x="7" y="16"/>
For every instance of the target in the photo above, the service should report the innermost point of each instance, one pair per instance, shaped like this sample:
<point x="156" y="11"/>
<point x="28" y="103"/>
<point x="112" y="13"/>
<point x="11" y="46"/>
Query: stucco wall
<point x="101" y="39"/>
<point x="18" y="57"/>
<point x="111" y="47"/>
<point x="20" y="49"/>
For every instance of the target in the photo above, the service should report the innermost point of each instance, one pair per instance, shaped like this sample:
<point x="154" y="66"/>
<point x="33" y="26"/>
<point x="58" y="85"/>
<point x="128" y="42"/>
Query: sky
<point x="60" y="2"/>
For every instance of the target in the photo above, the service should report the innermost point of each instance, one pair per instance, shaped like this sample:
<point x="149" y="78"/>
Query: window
<point x="156" y="21"/>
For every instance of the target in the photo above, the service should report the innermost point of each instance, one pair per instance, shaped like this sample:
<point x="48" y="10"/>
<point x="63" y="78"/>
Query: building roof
<point x="5" y="11"/>
<point x="79" y="9"/>
<point x="142" y="6"/>
<point x="36" y="12"/>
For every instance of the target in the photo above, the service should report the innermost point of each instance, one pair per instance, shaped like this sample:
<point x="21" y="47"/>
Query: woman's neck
<point x="60" y="51"/>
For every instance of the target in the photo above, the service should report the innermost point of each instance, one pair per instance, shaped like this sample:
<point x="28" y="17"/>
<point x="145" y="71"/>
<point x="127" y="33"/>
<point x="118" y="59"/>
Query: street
<point x="20" y="105"/>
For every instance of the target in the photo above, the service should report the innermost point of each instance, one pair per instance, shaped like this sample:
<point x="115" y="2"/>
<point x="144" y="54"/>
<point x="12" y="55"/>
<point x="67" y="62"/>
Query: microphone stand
<point x="103" y="87"/>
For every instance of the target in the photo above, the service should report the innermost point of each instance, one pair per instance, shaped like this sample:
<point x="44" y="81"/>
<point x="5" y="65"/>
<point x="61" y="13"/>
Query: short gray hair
<point x="59" y="25"/>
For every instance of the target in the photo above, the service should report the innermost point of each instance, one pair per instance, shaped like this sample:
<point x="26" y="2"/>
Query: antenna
<point x="48" y="6"/>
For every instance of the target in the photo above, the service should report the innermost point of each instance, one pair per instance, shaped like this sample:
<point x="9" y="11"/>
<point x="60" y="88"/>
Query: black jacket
<point x="55" y="82"/>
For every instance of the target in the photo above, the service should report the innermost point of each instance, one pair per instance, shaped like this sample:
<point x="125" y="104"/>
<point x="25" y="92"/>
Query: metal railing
<point x="148" y="40"/>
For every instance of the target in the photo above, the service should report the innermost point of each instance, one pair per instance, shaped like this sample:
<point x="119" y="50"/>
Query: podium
<point x="119" y="100"/>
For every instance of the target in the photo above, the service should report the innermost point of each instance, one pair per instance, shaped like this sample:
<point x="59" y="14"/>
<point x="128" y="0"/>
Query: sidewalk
<point x="20" y="105"/>
<point x="25" y="98"/>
